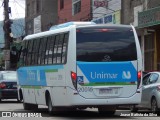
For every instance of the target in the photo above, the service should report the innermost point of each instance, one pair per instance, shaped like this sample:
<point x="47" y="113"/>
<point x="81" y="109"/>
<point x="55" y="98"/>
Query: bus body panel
<point x="33" y="80"/>
<point x="105" y="80"/>
<point x="56" y="79"/>
<point x="78" y="100"/>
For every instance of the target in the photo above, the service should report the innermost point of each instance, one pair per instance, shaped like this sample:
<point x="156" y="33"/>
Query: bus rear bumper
<point x="78" y="100"/>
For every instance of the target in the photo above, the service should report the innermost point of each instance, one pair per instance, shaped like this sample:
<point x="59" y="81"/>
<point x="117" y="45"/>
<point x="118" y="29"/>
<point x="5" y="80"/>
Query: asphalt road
<point x="11" y="107"/>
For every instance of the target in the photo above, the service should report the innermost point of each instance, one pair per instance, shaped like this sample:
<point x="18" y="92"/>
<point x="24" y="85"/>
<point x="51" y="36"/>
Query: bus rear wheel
<point x="28" y="106"/>
<point x="107" y="111"/>
<point x="49" y="104"/>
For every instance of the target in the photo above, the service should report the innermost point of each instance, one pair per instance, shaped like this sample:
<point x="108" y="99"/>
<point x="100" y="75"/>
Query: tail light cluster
<point x="139" y="74"/>
<point x="74" y="79"/>
<point x="2" y="85"/>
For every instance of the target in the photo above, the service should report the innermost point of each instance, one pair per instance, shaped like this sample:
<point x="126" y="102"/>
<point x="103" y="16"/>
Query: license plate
<point x="108" y="91"/>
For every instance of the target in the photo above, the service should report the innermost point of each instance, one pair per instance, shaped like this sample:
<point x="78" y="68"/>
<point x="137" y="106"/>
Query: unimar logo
<point x="126" y="75"/>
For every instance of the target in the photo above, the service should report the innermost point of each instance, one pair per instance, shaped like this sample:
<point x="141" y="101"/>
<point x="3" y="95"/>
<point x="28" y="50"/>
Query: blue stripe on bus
<point x="108" y="71"/>
<point x="35" y="75"/>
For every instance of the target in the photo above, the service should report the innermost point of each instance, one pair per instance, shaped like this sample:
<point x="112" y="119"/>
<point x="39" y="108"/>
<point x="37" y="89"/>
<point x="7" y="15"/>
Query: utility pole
<point x="91" y="10"/>
<point x="7" y="32"/>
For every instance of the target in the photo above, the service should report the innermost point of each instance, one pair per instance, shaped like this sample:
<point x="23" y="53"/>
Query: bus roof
<point x="65" y="27"/>
<point x="58" y="27"/>
<point x="67" y="24"/>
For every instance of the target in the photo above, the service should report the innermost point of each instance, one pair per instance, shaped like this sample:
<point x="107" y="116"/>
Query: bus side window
<point x="42" y="51"/>
<point x="48" y="50"/>
<point x="22" y="55"/>
<point x="64" y="47"/>
<point x="36" y="51"/>
<point x="39" y="52"/>
<point x="55" y="49"/>
<point x="32" y="52"/>
<point x="29" y="54"/>
<point x="59" y="49"/>
<point x="25" y="52"/>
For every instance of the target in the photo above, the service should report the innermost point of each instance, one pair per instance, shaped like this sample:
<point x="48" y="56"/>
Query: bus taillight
<point x="74" y="79"/>
<point x="104" y="30"/>
<point x="139" y="74"/>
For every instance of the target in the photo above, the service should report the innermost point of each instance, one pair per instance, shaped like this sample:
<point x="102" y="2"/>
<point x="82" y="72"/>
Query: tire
<point x="19" y="101"/>
<point x="154" y="106"/>
<point x="133" y="108"/>
<point x="49" y="104"/>
<point x="107" y="111"/>
<point x="28" y="106"/>
<point x="21" y="96"/>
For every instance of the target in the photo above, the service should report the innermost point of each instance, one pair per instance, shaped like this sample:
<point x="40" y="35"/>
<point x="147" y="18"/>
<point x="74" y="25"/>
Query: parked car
<point x="8" y="85"/>
<point x="150" y="93"/>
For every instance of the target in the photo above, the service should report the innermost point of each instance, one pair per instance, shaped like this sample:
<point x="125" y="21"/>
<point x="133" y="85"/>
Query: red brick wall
<point x="65" y="14"/>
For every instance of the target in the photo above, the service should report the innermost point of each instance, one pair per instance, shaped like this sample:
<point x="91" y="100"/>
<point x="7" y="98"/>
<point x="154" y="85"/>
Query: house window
<point x="76" y="6"/>
<point x="61" y="4"/>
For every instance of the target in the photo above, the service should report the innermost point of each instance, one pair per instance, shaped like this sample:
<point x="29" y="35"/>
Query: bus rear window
<point x="105" y="44"/>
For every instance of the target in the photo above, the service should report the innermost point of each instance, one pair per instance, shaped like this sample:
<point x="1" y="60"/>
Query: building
<point x="145" y="16"/>
<point x="99" y="11"/>
<point x="106" y="11"/>
<point x="74" y="10"/>
<point x="40" y="15"/>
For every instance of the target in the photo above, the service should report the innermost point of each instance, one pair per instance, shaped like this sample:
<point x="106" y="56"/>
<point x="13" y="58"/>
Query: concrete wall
<point x="47" y="10"/>
<point x="128" y="10"/>
<point x="153" y="3"/>
<point x="49" y="13"/>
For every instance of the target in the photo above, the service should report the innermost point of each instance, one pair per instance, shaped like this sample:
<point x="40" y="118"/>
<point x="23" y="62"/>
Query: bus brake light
<point x="104" y="30"/>
<point x="74" y="79"/>
<point x="73" y="76"/>
<point x="139" y="75"/>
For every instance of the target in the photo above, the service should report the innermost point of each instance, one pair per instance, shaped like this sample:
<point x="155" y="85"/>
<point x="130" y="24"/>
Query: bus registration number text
<point x="85" y="89"/>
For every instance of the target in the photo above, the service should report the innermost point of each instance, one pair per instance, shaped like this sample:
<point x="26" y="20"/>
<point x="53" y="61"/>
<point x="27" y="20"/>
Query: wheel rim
<point x="154" y="105"/>
<point x="50" y="105"/>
